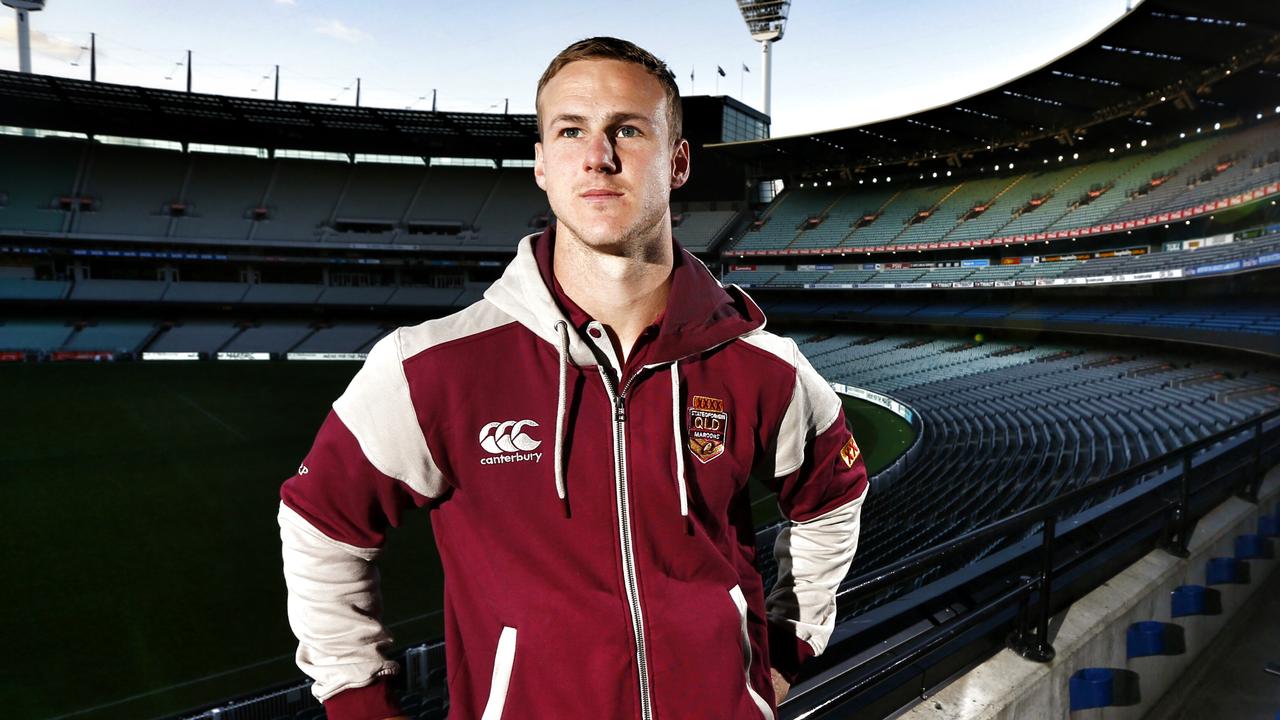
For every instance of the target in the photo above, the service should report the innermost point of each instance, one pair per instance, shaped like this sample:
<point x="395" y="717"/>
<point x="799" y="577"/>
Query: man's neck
<point x="625" y="292"/>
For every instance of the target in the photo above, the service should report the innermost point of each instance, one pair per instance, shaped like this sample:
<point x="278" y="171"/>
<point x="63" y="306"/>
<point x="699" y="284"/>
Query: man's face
<point x="606" y="159"/>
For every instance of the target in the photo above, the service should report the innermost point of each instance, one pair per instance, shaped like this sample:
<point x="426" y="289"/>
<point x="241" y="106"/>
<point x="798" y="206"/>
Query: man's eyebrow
<point x="566" y="118"/>
<point x="613" y="119"/>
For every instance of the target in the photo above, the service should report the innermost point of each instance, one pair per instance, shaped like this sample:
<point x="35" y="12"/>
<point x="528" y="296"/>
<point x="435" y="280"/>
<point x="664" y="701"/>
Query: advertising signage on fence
<point x="12" y="356"/>
<point x="325" y="356"/>
<point x="1269" y="259"/>
<point x="244" y="356"/>
<point x="85" y="355"/>
<point x="1214" y="268"/>
<point x="170" y="356"/>
<point x="883" y="401"/>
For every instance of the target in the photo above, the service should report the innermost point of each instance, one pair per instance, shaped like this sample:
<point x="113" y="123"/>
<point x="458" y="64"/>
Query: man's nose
<point x="601" y="156"/>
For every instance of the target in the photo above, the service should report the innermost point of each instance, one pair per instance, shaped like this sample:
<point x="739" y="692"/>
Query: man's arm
<point x="368" y="465"/>
<point x="821" y="481"/>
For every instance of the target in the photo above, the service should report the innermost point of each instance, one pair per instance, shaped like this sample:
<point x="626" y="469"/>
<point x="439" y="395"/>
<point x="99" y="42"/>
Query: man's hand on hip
<point x="780" y="686"/>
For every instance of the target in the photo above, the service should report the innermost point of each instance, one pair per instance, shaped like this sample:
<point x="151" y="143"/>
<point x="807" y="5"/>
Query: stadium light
<point x="1217" y="126"/>
<point x="766" y="20"/>
<point x="22" y="7"/>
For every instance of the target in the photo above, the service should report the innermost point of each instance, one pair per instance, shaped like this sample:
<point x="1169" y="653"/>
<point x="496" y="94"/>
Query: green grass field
<point x="141" y="537"/>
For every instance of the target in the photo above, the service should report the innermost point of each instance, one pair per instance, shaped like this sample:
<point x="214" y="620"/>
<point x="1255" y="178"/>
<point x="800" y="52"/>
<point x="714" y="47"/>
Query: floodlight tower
<point x="22" y="7"/>
<point x="766" y="20"/>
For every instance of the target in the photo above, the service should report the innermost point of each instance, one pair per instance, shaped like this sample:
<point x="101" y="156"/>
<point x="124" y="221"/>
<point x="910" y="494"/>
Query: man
<point x="583" y="437"/>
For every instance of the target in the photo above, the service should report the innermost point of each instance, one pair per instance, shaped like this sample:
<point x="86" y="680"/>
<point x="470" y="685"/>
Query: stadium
<point x="1047" y="308"/>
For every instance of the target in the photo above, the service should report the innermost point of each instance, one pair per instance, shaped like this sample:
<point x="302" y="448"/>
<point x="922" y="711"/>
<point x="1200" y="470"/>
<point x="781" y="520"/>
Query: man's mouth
<point x="600" y="194"/>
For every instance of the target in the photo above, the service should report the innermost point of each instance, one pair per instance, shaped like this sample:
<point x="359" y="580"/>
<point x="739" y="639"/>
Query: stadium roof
<point x="1156" y="71"/>
<point x="56" y="103"/>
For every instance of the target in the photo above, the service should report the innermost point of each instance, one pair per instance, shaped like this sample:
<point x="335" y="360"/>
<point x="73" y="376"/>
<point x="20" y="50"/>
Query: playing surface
<point x="140" y="534"/>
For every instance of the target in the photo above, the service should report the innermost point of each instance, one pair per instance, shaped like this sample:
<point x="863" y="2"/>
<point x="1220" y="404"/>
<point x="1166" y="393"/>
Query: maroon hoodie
<point x="592" y="517"/>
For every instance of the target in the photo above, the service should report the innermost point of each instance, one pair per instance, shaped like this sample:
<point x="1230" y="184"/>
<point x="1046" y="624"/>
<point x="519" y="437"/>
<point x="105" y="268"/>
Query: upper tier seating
<point x="1126" y="185"/>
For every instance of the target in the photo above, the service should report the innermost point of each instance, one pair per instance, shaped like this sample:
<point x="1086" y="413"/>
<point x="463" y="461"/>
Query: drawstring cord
<point x="676" y="440"/>
<point x="563" y="328"/>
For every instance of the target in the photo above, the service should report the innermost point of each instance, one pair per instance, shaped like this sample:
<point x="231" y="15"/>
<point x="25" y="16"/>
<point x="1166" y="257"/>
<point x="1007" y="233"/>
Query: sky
<point x="840" y="63"/>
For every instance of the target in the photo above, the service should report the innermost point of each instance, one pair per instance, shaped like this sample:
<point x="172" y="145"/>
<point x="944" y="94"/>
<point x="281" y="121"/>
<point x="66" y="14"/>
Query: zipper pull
<point x="619" y="410"/>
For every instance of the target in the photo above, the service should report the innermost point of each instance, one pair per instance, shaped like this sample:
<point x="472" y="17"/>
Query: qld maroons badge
<point x="708" y="427"/>
<point x="850" y="452"/>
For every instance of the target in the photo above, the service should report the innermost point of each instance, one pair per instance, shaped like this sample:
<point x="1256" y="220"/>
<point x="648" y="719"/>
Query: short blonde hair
<point x="610" y="48"/>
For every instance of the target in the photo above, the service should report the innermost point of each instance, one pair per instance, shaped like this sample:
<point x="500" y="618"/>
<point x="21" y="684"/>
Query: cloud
<point x="42" y="43"/>
<point x="341" y="31"/>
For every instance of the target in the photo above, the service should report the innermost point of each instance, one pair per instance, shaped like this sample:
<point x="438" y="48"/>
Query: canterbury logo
<point x="508" y="436"/>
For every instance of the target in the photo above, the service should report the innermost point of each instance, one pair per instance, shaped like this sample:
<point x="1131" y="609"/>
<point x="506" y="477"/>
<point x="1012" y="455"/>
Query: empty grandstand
<point x="1061" y="289"/>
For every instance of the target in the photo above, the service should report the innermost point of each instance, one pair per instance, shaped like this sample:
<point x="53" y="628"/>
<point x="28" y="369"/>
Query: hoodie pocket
<point x="503" y="660"/>
<point x="740" y="602"/>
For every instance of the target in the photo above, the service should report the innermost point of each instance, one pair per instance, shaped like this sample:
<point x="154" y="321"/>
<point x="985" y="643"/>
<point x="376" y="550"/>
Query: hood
<point x="701" y="313"/>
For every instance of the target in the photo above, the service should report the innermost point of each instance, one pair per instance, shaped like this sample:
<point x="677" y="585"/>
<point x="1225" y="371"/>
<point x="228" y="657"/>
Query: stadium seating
<point x="34" y="175"/>
<point x="132" y="189"/>
<point x="273" y="337"/>
<point x="342" y="338"/>
<point x="32" y="335"/>
<point x="27" y="289"/>
<point x="1008" y="426"/>
<point x="202" y="336"/>
<point x="120" y="336"/>
<point x="701" y="230"/>
<point x="1125" y="185"/>
<point x="303" y="197"/>
<point x="510" y="210"/>
<point x="221" y="193"/>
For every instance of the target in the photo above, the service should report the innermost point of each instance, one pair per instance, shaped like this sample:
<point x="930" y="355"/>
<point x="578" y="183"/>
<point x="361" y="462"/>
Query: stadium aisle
<point x="1228" y="681"/>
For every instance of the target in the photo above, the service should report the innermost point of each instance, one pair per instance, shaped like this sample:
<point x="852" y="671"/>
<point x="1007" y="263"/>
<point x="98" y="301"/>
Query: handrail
<point x="844" y="683"/>
<point x="867" y="583"/>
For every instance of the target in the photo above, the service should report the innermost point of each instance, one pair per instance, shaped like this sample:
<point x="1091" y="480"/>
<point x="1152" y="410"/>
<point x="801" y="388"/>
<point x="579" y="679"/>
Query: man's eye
<point x="571" y="133"/>
<point x="628" y="131"/>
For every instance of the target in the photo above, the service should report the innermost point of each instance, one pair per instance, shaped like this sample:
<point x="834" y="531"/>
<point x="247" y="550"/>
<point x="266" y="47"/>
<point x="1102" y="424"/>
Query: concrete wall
<point x="1091" y="633"/>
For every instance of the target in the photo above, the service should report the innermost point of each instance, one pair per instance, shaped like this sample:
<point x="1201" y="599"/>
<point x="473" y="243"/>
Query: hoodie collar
<point x="701" y="313"/>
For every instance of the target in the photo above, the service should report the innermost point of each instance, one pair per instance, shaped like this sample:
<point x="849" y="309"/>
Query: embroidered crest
<point x="708" y="427"/>
<point x="850" y="452"/>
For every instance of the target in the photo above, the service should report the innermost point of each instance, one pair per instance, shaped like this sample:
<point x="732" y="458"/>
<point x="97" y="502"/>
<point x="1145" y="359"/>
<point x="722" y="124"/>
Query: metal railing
<point x="1080" y="538"/>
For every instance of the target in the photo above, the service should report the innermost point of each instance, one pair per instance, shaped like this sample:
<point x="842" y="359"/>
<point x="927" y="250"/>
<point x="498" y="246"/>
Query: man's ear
<point x="539" y="170"/>
<point x="680" y="164"/>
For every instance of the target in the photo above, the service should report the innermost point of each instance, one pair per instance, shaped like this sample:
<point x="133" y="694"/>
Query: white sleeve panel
<point x="378" y="410"/>
<point x="333" y="606"/>
<point x="814" y="405"/>
<point x="813" y="557"/>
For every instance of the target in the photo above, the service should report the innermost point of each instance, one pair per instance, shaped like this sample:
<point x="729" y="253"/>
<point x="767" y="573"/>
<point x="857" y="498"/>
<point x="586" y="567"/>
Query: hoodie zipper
<point x="619" y="400"/>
